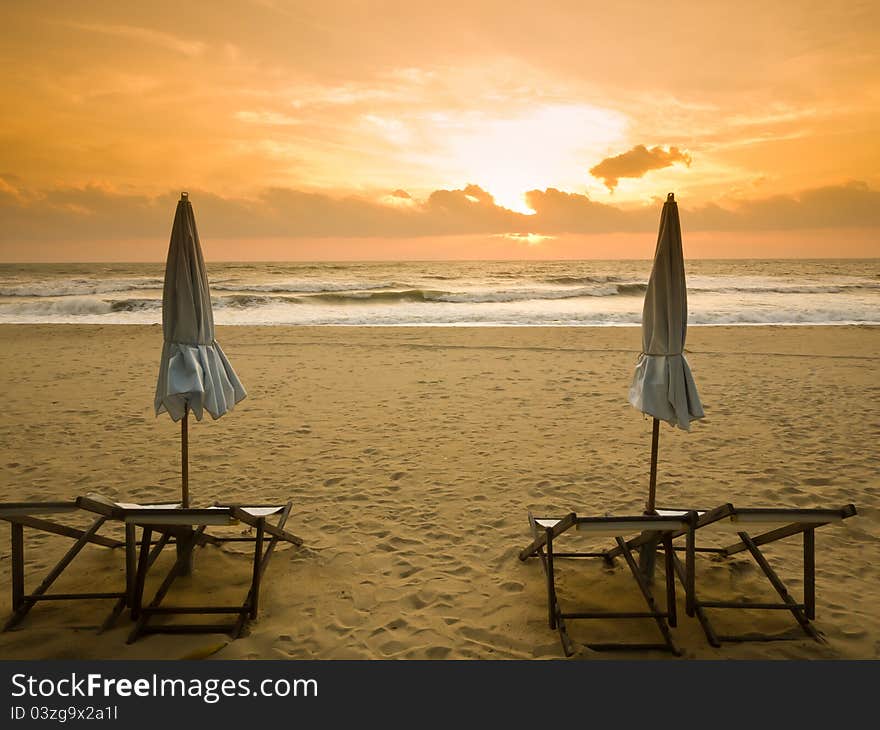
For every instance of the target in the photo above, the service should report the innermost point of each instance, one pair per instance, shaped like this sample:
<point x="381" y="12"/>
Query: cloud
<point x="147" y="35"/>
<point x="530" y="239"/>
<point x="636" y="162"/>
<point x="267" y="117"/>
<point x="90" y="214"/>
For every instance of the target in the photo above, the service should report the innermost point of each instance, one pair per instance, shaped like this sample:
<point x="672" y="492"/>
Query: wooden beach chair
<point x="754" y="528"/>
<point x="188" y="528"/>
<point x="546" y="530"/>
<point x="33" y="515"/>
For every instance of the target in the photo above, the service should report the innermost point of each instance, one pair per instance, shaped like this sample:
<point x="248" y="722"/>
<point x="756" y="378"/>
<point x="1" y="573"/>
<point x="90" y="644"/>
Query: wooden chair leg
<point x="690" y="573"/>
<point x="130" y="570"/>
<point x="17" y="566"/>
<point x="247" y="610"/>
<point x="696" y="608"/>
<point x="551" y="585"/>
<point x="646" y="593"/>
<point x="179" y="568"/>
<point x="810" y="573"/>
<point x="130" y="563"/>
<point x="22" y="603"/>
<point x="141" y="574"/>
<point x="668" y="554"/>
<point x="257" y="575"/>
<point x="779" y="586"/>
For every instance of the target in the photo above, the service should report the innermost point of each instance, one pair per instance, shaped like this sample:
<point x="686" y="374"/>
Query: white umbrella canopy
<point x="663" y="386"/>
<point x="194" y="374"/>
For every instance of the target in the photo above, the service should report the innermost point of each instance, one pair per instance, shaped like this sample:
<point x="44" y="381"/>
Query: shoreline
<point x="449" y="325"/>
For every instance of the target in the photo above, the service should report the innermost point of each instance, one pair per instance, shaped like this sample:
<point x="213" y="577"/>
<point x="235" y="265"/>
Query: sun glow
<point x="550" y="146"/>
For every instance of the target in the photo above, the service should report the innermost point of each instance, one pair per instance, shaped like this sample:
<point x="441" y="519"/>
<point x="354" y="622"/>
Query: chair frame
<point x="180" y="523"/>
<point x="546" y="530"/>
<point x="21" y="515"/>
<point x="794" y="522"/>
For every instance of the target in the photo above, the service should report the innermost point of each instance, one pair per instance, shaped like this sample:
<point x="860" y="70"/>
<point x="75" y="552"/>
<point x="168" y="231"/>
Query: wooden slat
<point x="72" y="596"/>
<point x="58" y="529"/>
<point x="187" y="629"/>
<point x="793" y="514"/>
<point x="16" y="509"/>
<point x="612" y="614"/>
<point x="750" y="605"/>
<point x="768" y="537"/>
<point x="779" y="517"/>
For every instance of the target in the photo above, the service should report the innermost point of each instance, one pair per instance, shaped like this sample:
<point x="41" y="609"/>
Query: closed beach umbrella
<point x="194" y="374"/>
<point x="663" y="386"/>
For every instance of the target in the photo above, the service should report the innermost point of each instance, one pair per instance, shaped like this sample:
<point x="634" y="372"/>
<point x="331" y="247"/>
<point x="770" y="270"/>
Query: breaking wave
<point x="78" y="287"/>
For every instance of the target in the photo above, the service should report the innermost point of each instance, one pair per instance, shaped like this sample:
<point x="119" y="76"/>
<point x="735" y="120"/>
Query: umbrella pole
<point x="652" y="485"/>
<point x="184" y="457"/>
<point x="183" y="537"/>
<point x="648" y="552"/>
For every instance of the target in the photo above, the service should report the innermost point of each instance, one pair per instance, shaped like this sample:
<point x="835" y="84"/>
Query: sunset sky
<point x="479" y="129"/>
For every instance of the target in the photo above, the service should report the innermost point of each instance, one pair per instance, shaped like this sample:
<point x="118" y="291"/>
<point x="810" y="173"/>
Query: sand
<point x="412" y="455"/>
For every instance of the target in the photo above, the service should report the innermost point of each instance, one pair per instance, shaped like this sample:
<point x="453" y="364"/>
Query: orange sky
<point x="475" y="129"/>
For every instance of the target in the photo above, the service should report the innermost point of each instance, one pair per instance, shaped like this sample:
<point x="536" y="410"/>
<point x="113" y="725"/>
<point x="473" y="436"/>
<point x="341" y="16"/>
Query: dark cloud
<point x="560" y="212"/>
<point x="636" y="162"/>
<point x="835" y="206"/>
<point x="92" y="214"/>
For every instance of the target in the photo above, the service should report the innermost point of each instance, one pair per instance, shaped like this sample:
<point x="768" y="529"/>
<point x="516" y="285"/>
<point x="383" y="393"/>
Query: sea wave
<point x="788" y="289"/>
<point x="67" y="306"/>
<point x="305" y="286"/>
<point x="78" y="287"/>
<point x="77" y="306"/>
<point x="579" y="280"/>
<point x="473" y="297"/>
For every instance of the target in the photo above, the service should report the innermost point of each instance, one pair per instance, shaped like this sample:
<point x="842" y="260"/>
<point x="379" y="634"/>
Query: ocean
<point x="508" y="293"/>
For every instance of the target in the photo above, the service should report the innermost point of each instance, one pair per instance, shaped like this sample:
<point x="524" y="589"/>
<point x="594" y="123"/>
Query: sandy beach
<point x="412" y="456"/>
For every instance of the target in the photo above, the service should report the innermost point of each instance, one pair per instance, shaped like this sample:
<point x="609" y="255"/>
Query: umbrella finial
<point x="670" y="198"/>
<point x="184" y="195"/>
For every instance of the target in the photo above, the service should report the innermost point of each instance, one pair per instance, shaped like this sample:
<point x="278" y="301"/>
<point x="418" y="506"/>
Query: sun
<point x="548" y="146"/>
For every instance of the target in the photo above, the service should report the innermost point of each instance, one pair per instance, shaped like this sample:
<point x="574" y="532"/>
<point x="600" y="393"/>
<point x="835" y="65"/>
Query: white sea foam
<point x="76" y="287"/>
<point x="452" y="293"/>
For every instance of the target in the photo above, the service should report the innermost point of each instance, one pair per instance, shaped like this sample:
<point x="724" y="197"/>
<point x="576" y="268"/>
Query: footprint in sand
<point x="438" y="652"/>
<point x="332" y="481"/>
